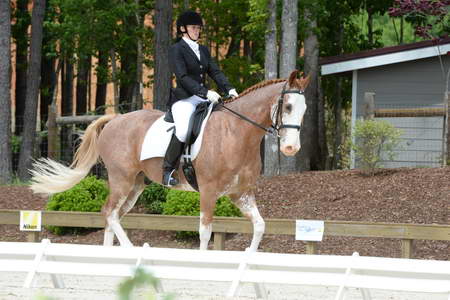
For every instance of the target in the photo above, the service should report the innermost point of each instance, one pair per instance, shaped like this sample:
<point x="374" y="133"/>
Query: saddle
<point x="194" y="128"/>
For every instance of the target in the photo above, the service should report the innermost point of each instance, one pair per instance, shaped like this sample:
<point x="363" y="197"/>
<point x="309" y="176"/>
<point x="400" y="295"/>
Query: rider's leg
<point x="181" y="111"/>
<point x="171" y="161"/>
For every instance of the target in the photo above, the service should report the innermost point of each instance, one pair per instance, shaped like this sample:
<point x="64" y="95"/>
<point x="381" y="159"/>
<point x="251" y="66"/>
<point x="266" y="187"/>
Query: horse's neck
<point x="257" y="104"/>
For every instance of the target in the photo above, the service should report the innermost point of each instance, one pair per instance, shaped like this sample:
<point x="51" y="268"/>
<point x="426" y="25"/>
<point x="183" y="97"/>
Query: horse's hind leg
<point x="247" y="204"/>
<point x="121" y="186"/>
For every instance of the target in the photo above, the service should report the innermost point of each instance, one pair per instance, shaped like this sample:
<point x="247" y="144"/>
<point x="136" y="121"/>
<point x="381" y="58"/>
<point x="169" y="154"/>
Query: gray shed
<point x="403" y="78"/>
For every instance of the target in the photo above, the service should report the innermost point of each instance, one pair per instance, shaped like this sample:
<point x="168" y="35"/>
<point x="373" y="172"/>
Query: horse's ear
<point x="304" y="81"/>
<point x="292" y="78"/>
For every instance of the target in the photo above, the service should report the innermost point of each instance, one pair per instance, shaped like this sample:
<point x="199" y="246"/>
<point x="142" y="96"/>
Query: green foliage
<point x="373" y="140"/>
<point x="88" y="195"/>
<point x="153" y="198"/>
<point x="140" y="278"/>
<point x="181" y="203"/>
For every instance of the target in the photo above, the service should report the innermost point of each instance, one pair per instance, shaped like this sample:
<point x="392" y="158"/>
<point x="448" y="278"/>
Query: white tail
<point x="50" y="177"/>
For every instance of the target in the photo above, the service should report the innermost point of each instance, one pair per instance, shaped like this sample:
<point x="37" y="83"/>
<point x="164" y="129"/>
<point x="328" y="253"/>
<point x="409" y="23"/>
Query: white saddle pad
<point x="158" y="137"/>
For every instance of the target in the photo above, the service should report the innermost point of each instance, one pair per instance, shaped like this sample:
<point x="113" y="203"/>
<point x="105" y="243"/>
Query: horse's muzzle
<point x="289" y="150"/>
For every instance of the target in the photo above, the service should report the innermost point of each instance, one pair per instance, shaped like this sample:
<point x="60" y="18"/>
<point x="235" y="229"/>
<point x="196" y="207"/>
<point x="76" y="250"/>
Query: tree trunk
<point x="271" y="61"/>
<point x="84" y="66"/>
<point x="288" y="59"/>
<point x="288" y="53"/>
<point x="21" y="65"/>
<point x="100" y="93"/>
<point x="5" y="93"/>
<point x="268" y="156"/>
<point x="138" y="100"/>
<point x="47" y="74"/>
<point x="163" y="23"/>
<point x="127" y="83"/>
<point x="309" y="156"/>
<point x="112" y="53"/>
<point x="33" y="82"/>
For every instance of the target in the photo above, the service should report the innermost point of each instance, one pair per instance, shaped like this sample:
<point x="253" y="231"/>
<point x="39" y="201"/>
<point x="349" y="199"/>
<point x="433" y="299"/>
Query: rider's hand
<point x="233" y="93"/>
<point x="213" y="96"/>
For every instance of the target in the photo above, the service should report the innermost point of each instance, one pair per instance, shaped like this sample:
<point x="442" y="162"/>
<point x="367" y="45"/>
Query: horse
<point x="228" y="163"/>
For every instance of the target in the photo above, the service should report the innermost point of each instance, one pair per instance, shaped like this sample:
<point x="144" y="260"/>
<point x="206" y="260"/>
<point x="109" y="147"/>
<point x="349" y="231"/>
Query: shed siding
<point x="413" y="84"/>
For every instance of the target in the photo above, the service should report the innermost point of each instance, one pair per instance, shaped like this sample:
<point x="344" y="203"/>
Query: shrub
<point x="88" y="195"/>
<point x="373" y="140"/>
<point x="153" y="197"/>
<point x="181" y="203"/>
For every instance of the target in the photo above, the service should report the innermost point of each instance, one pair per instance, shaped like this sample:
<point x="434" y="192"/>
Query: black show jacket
<point x="190" y="72"/>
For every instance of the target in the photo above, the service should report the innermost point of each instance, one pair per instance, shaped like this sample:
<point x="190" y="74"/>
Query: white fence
<point x="258" y="268"/>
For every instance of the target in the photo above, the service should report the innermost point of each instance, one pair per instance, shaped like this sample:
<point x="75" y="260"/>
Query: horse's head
<point x="288" y="112"/>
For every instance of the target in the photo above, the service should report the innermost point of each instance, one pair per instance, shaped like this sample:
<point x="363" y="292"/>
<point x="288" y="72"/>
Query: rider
<point x="190" y="62"/>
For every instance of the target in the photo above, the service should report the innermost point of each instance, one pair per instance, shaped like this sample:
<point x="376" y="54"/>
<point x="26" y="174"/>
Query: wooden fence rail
<point x="222" y="225"/>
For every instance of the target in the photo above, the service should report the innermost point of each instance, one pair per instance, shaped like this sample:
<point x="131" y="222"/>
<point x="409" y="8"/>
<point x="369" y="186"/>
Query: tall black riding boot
<point x="171" y="161"/>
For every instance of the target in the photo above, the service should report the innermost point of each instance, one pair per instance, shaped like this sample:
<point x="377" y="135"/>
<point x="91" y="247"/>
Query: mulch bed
<point x="402" y="195"/>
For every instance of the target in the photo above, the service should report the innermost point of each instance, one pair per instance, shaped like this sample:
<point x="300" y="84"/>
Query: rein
<point x="273" y="129"/>
<point x="270" y="130"/>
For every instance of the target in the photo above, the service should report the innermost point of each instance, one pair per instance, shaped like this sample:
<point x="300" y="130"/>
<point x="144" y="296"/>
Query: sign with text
<point x="309" y="230"/>
<point x="30" y="220"/>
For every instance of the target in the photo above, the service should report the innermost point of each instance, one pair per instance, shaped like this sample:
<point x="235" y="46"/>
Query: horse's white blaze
<point x="205" y="233"/>
<point x="290" y="137"/>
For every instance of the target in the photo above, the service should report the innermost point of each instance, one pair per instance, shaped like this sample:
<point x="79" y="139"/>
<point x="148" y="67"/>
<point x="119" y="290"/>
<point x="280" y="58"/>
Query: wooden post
<point x="219" y="240"/>
<point x="311" y="247"/>
<point x="52" y="143"/>
<point x="33" y="236"/>
<point x="369" y="105"/>
<point x="407" y="248"/>
<point x="446" y="154"/>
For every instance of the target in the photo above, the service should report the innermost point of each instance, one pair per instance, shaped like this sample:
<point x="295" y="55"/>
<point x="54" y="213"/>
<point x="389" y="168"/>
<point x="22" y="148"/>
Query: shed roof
<point x="384" y="56"/>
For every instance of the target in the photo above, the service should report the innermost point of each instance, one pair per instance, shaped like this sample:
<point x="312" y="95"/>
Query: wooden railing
<point x="222" y="225"/>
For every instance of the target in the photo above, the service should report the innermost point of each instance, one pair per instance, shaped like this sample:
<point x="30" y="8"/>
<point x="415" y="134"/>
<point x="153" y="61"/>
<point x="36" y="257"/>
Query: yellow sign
<point x="30" y="220"/>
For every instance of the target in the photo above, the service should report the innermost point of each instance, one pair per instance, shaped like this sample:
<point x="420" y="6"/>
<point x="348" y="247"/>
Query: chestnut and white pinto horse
<point x="228" y="162"/>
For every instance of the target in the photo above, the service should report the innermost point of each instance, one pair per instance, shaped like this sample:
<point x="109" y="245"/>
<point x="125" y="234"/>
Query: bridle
<point x="279" y="111"/>
<point x="274" y="129"/>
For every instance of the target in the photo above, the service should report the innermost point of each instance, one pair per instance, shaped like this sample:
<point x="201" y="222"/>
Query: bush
<point x="153" y="198"/>
<point x="181" y="203"/>
<point x="88" y="195"/>
<point x="373" y="140"/>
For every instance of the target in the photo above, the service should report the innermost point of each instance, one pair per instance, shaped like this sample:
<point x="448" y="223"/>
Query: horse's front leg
<point x="247" y="204"/>
<point x="207" y="205"/>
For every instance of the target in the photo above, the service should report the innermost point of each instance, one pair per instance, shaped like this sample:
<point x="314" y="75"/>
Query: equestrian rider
<point x="190" y="62"/>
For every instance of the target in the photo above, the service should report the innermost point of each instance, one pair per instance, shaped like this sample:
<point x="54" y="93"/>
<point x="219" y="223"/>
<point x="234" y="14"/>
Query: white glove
<point x="233" y="93"/>
<point x="213" y="96"/>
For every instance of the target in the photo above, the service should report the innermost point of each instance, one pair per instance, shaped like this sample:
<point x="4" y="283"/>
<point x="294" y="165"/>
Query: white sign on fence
<point x="309" y="230"/>
<point x="30" y="220"/>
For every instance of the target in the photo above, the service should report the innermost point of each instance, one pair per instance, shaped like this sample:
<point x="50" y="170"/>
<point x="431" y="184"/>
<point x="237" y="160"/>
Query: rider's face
<point x="194" y="31"/>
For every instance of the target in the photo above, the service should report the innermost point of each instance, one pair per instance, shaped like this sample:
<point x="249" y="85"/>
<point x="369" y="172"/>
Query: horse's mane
<point x="255" y="87"/>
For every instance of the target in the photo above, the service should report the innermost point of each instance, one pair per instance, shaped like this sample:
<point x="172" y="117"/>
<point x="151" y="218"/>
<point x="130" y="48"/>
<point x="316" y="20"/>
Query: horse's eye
<point x="288" y="108"/>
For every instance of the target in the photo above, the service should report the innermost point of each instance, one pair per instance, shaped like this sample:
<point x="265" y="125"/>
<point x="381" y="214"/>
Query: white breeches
<point x="182" y="111"/>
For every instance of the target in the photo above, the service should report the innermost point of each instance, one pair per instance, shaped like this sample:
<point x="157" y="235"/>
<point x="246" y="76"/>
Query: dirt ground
<point x="403" y="195"/>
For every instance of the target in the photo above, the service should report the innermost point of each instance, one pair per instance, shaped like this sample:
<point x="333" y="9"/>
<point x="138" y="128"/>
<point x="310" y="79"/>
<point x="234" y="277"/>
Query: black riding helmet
<point x="188" y="17"/>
